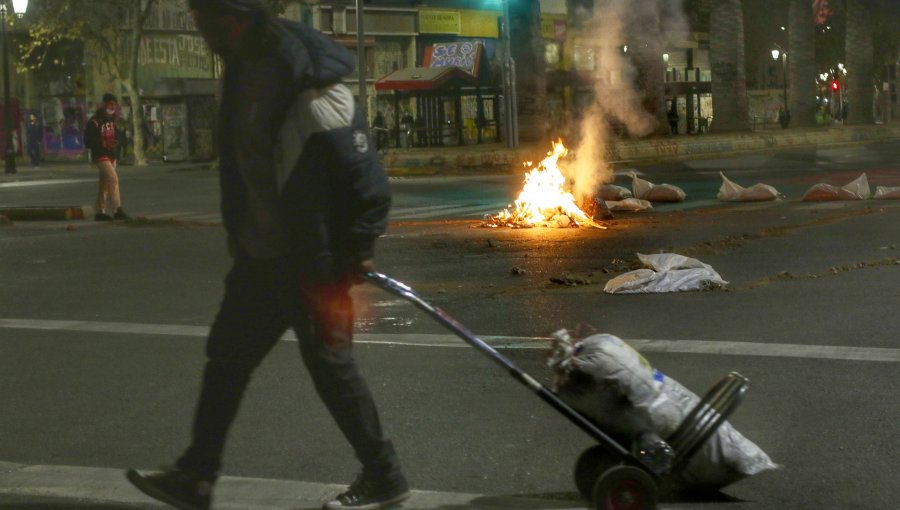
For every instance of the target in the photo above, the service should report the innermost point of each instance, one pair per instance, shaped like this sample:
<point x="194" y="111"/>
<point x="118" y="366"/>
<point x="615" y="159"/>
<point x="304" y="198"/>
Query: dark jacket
<point x="333" y="193"/>
<point x="100" y="136"/>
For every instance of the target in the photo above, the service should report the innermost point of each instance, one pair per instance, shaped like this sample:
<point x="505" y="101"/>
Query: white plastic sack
<point x="613" y="193"/>
<point x="629" y="204"/>
<point x="605" y="379"/>
<point x="858" y="189"/>
<point x="666" y="272"/>
<point x="887" y="193"/>
<point x="731" y="192"/>
<point x="646" y="190"/>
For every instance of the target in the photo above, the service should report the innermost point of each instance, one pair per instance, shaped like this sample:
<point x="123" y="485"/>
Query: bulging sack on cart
<point x="605" y="379"/>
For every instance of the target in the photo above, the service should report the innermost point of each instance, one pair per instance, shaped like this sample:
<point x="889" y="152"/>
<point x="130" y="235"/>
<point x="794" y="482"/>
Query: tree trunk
<point x="131" y="84"/>
<point x="859" y="54"/>
<point x="729" y="84"/>
<point x="531" y="70"/>
<point x="801" y="64"/>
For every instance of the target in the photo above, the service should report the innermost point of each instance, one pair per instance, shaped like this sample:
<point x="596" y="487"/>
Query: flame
<point x="544" y="201"/>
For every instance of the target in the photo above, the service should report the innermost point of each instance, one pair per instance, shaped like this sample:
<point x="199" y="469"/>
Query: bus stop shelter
<point x="439" y="94"/>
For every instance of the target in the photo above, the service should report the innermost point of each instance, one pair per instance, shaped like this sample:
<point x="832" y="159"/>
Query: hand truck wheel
<point x="590" y="465"/>
<point x="625" y="488"/>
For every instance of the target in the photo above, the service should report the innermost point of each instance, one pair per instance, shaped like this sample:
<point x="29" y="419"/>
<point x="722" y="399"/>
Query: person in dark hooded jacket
<point x="303" y="200"/>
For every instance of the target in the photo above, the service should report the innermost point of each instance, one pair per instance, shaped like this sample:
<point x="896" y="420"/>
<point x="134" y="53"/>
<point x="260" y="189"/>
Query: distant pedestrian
<point x="379" y="125"/>
<point x="673" y="118"/>
<point x="784" y="117"/>
<point x="34" y="133"/>
<point x="303" y="201"/>
<point x="100" y="138"/>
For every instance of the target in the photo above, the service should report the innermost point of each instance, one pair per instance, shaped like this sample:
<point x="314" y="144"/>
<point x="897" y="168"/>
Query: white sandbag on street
<point x="858" y="189"/>
<point x="605" y="379"/>
<point x="887" y="193"/>
<point x="614" y="193"/>
<point x="666" y="272"/>
<point x="629" y="204"/>
<point x="646" y="190"/>
<point x="731" y="192"/>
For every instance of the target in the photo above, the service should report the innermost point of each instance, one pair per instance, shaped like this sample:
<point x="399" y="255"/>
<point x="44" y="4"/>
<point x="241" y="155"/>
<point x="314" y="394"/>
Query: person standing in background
<point x="100" y="138"/>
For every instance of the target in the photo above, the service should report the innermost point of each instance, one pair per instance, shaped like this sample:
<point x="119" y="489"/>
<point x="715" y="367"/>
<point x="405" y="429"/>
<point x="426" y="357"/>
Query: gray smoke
<point x="646" y="27"/>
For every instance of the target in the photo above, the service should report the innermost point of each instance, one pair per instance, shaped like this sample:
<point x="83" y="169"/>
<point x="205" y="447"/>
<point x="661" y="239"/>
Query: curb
<point x="482" y="160"/>
<point x="47" y="213"/>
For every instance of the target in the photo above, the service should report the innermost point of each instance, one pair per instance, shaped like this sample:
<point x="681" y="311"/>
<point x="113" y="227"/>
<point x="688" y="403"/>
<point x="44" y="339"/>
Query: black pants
<point x="261" y="301"/>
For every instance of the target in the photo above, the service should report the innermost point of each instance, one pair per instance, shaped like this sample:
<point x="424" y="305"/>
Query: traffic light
<point x="835" y="86"/>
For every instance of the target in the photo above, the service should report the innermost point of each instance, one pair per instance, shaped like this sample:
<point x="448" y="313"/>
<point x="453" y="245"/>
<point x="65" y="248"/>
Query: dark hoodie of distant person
<point x="100" y="133"/>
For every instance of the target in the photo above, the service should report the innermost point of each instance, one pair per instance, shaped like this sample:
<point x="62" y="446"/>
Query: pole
<point x="10" y="152"/>
<point x="787" y="110"/>
<point x="361" y="67"/>
<point x="509" y="83"/>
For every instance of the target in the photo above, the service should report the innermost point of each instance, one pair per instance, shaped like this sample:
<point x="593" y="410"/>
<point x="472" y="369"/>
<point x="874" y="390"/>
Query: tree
<point x="729" y="82"/>
<point x="802" y="63"/>
<point x="531" y="68"/>
<point x="111" y="31"/>
<point x="860" y="63"/>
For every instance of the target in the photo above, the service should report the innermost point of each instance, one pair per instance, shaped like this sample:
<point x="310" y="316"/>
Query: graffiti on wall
<point x="64" y="120"/>
<point x="184" y="52"/>
<point x="464" y="54"/>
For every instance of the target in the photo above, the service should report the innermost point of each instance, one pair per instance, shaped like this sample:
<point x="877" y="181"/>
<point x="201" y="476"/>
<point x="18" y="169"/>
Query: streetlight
<point x="19" y="8"/>
<point x="776" y="51"/>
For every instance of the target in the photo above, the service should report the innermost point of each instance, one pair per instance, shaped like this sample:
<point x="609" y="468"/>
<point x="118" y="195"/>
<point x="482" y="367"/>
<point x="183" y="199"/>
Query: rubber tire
<point x="590" y="465"/>
<point x="625" y="488"/>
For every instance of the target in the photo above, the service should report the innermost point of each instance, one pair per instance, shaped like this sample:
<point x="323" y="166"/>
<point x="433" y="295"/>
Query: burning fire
<point x="543" y="201"/>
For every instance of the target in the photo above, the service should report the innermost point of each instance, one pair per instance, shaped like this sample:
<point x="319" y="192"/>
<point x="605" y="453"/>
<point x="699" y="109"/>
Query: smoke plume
<point x="628" y="38"/>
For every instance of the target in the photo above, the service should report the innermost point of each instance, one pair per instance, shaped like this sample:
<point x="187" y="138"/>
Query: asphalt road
<point x="101" y="333"/>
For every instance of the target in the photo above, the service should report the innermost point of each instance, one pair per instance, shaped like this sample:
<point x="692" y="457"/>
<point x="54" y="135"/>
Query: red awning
<point x="425" y="78"/>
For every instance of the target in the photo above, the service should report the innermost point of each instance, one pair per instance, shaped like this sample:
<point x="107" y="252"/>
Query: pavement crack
<point x="832" y="271"/>
<point x="731" y="242"/>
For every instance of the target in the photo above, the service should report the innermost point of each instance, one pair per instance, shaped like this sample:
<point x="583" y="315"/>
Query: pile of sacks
<point x="606" y="380"/>
<point x="619" y="198"/>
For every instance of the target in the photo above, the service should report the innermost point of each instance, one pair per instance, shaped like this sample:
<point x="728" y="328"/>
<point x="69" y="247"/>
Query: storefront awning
<point x="425" y="78"/>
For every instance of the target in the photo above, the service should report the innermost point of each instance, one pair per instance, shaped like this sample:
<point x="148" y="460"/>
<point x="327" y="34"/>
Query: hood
<point x="315" y="59"/>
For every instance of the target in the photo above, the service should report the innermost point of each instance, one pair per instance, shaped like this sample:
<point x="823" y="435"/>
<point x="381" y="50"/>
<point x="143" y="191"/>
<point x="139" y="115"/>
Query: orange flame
<point x="544" y="200"/>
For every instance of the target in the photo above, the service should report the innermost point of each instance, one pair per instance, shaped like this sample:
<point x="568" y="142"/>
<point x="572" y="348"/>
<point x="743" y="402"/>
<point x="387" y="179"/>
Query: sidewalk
<point x="497" y="158"/>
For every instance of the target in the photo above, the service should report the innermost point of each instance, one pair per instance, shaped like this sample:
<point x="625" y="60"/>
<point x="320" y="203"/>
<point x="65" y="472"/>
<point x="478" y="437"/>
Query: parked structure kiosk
<point x="455" y="103"/>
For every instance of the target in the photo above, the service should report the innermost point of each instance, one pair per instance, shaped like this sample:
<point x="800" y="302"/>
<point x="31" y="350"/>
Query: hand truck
<point x="609" y="475"/>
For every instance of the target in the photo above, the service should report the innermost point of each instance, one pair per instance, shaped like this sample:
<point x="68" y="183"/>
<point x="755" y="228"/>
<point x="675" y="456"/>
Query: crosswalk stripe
<point x="711" y="347"/>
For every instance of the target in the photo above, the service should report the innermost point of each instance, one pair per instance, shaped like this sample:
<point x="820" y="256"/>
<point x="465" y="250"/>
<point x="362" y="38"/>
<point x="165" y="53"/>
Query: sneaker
<point x="181" y="489"/>
<point x="367" y="493"/>
<point x="102" y="216"/>
<point x="120" y="215"/>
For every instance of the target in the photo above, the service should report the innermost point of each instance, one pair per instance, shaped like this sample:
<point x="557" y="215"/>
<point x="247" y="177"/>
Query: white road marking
<point x="447" y="210"/>
<point x="108" y="486"/>
<point x="444" y="340"/>
<point x="24" y="184"/>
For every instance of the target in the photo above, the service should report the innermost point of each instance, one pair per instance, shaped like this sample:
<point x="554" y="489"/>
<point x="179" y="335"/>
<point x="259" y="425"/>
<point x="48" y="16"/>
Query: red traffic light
<point x="835" y="85"/>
